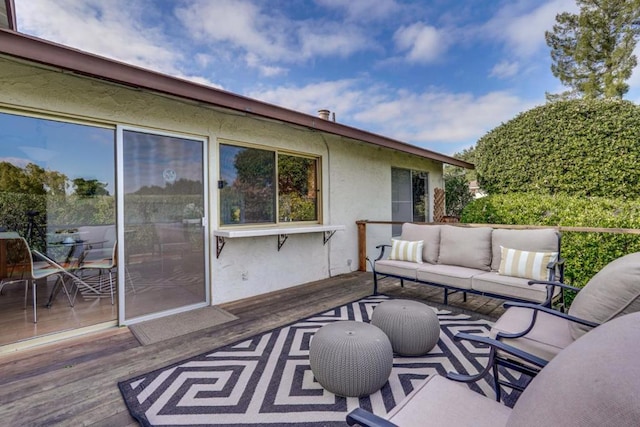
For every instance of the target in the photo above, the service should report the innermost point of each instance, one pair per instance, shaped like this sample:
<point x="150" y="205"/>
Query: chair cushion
<point x="404" y="250"/>
<point x="612" y="292"/>
<point x="525" y="264"/>
<point x="593" y="382"/>
<point x="429" y="234"/>
<point x="465" y="247"/>
<point x="539" y="240"/>
<point x="438" y="401"/>
<point x="549" y="336"/>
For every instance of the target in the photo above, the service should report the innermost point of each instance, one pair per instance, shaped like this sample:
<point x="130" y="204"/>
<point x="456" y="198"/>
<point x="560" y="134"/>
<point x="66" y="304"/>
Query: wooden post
<point x="362" y="245"/>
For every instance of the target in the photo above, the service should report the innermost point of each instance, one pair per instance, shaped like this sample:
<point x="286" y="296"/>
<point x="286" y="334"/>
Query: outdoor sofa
<point x="511" y="264"/>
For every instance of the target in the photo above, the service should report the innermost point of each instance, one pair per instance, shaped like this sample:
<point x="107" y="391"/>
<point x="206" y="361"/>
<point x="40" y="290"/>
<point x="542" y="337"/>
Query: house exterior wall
<point x="356" y="177"/>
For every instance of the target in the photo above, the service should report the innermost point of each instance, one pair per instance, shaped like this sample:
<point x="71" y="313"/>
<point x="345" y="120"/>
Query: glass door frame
<point x="122" y="320"/>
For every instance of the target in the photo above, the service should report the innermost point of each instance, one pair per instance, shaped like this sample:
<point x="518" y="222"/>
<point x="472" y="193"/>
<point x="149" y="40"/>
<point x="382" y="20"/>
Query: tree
<point x="457" y="194"/>
<point x="592" y="52"/>
<point x="89" y="188"/>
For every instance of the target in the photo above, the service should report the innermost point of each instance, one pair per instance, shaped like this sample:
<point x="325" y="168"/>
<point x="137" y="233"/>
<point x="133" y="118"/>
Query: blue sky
<point x="438" y="74"/>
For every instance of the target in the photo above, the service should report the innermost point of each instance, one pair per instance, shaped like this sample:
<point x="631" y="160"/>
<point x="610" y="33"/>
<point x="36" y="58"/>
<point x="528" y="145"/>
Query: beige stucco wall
<point x="356" y="177"/>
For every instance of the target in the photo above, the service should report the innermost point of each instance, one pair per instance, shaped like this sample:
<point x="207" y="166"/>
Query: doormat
<point x="156" y="330"/>
<point x="266" y="380"/>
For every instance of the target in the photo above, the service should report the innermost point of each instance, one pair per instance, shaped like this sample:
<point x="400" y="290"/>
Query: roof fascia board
<point x="79" y="62"/>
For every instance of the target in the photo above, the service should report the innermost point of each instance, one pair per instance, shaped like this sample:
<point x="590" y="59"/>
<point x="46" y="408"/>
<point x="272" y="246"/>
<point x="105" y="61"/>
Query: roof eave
<point x="83" y="63"/>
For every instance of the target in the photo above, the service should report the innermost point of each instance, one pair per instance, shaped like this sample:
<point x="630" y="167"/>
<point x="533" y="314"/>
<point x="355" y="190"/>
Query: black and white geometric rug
<point x="267" y="381"/>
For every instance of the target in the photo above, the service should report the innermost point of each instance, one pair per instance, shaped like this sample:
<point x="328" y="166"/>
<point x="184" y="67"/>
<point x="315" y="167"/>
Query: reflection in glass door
<point x="162" y="207"/>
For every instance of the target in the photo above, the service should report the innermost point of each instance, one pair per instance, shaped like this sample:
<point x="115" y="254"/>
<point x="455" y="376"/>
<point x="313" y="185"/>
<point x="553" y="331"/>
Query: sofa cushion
<point x="465" y="247"/>
<point x="397" y="268"/>
<point x="526" y="264"/>
<point x="612" y="292"/>
<point x="511" y="287"/>
<point x="429" y="234"/>
<point x="450" y="275"/>
<point x="405" y="250"/>
<point x="539" y="240"/>
<point x="442" y="402"/>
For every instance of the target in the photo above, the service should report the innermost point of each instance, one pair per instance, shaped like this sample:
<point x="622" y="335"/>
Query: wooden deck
<point x="74" y="382"/>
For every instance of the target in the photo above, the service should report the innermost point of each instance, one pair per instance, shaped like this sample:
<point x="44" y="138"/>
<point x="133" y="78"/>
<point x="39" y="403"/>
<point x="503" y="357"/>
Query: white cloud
<point x="340" y="96"/>
<point x="239" y="23"/>
<point x="112" y="29"/>
<point x="422" y="43"/>
<point x="425" y="119"/>
<point x="264" y="39"/>
<point x="521" y="28"/>
<point x="363" y="10"/>
<point x="505" y="69"/>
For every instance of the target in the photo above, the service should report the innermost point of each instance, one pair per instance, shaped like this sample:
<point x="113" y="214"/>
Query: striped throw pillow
<point x="404" y="250"/>
<point x="528" y="265"/>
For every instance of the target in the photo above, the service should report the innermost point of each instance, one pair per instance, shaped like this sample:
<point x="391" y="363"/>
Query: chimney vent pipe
<point x="324" y="114"/>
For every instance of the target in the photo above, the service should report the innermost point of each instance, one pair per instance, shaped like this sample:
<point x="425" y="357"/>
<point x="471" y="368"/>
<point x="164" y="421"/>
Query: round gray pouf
<point x="412" y="327"/>
<point x="351" y="358"/>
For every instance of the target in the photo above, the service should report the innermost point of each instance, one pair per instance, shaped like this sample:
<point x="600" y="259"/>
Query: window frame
<point x="276" y="188"/>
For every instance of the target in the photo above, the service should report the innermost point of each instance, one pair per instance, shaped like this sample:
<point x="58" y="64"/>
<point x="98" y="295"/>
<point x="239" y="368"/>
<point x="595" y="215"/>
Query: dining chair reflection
<point x="104" y="263"/>
<point x="20" y="263"/>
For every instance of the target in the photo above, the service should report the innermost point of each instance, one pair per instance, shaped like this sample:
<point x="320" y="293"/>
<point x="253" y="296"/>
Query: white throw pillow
<point x="404" y="250"/>
<point x="525" y="264"/>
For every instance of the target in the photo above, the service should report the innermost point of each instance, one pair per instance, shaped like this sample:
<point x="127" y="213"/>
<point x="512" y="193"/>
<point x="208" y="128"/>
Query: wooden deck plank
<point x="75" y="382"/>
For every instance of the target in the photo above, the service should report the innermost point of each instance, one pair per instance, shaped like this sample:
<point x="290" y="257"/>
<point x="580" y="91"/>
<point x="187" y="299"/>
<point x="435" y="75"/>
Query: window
<point x="409" y="197"/>
<point x="260" y="186"/>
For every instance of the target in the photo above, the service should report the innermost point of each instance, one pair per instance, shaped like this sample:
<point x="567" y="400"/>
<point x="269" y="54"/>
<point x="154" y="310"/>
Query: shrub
<point x="580" y="147"/>
<point x="585" y="253"/>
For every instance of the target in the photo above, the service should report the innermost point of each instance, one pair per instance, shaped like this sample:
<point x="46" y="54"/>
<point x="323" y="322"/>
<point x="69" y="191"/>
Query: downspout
<point x="326" y="197"/>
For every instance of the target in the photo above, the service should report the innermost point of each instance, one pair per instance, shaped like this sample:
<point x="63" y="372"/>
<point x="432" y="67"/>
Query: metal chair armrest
<point x="552" y="312"/>
<point x="553" y="283"/>
<point x="499" y="345"/>
<point x="366" y="419"/>
<point x="381" y="254"/>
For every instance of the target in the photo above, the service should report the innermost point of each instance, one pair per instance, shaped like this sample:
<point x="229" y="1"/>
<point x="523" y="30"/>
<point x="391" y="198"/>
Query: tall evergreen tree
<point x="592" y="52"/>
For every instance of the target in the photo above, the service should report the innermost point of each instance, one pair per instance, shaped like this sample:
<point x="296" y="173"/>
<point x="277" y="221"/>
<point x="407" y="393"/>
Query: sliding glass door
<point x="162" y="209"/>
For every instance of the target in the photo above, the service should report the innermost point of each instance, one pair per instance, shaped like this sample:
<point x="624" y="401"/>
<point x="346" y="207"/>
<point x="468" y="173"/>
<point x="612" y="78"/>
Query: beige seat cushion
<point x="465" y="247"/>
<point x="514" y="287"/>
<point x="593" y="382"/>
<point x="612" y="292"/>
<point x="438" y="401"/>
<point x="397" y="268"/>
<point x="549" y="336"/>
<point x="429" y="234"/>
<point x="452" y="275"/>
<point x="540" y="240"/>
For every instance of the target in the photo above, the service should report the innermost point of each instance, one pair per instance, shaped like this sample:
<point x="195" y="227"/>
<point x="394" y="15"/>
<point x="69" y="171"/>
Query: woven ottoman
<point x="412" y="327"/>
<point x="351" y="358"/>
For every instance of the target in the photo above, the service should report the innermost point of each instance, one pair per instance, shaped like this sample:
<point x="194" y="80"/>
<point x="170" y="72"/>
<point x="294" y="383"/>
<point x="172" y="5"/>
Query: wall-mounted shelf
<point x="281" y="232"/>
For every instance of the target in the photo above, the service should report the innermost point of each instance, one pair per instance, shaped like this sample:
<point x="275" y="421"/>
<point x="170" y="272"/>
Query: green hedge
<point x="579" y="147"/>
<point x="585" y="253"/>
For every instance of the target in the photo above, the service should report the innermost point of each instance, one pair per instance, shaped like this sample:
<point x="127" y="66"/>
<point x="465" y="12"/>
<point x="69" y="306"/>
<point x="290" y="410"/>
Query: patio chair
<point x="595" y="381"/>
<point x="30" y="266"/>
<point x="544" y="332"/>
